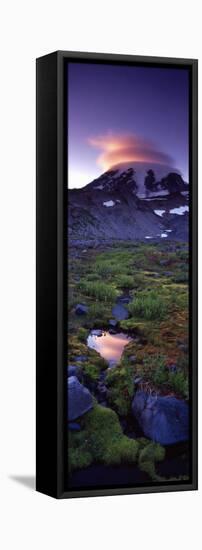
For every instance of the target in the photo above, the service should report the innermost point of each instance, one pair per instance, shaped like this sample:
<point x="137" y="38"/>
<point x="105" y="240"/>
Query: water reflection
<point x="109" y="346"/>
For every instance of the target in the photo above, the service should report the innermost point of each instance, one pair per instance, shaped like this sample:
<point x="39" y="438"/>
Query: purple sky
<point x="118" y="113"/>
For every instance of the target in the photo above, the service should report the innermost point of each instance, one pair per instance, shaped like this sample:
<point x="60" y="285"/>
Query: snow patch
<point x="154" y="199"/>
<point x="159" y="212"/>
<point x="163" y="235"/>
<point x="180" y="210"/>
<point x="148" y="237"/>
<point x="99" y="187"/>
<point x="108" y="203"/>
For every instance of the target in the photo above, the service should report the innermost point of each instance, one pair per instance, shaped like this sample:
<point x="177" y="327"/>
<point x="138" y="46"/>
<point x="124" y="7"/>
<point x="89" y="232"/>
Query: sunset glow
<point x="119" y="114"/>
<point x="118" y="149"/>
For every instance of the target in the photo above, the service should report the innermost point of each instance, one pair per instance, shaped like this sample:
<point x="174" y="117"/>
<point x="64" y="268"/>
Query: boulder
<point x="81" y="309"/>
<point x="138" y="380"/>
<point x="120" y="312"/>
<point x="167" y="273"/>
<point x="73" y="370"/>
<point x="79" y="399"/>
<point x="124" y="299"/>
<point x="96" y="332"/>
<point x="162" y="419"/>
<point x="74" y="426"/>
<point x="81" y="358"/>
<point x="113" y="323"/>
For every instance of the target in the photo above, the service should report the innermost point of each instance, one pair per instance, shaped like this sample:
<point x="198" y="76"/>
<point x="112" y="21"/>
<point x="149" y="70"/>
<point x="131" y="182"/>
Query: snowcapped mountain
<point x="135" y="201"/>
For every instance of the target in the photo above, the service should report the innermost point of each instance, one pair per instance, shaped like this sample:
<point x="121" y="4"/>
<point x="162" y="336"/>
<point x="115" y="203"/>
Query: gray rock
<point x="74" y="427"/>
<point x="73" y="370"/>
<point x="132" y="358"/>
<point x="113" y="323"/>
<point x="120" y="312"/>
<point x="183" y="347"/>
<point x="102" y="390"/>
<point x="164" y="262"/>
<point x="79" y="399"/>
<point x="138" y="380"/>
<point x="162" y="419"/>
<point x="81" y="309"/>
<point x="168" y="273"/>
<point x="81" y="358"/>
<point x="96" y="332"/>
<point x="124" y="299"/>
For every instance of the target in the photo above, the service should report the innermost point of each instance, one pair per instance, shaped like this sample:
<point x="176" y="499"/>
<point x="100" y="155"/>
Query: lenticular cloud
<point x="116" y="149"/>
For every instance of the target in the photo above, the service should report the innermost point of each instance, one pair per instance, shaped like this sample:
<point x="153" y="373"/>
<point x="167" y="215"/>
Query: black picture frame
<point x="51" y="271"/>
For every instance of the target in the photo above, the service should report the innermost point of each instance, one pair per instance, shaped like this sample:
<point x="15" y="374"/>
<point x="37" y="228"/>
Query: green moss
<point x="82" y="334"/>
<point x="98" y="290"/>
<point x="149" y="454"/>
<point x="148" y="305"/>
<point x="120" y="381"/>
<point x="91" y="372"/>
<point x="125" y="281"/>
<point x="101" y="440"/>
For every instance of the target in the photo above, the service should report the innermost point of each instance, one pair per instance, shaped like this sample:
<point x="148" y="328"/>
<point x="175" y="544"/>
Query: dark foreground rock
<point x="162" y="419"/>
<point x="74" y="426"/>
<point x="73" y="370"/>
<point x="120" y="312"/>
<point x="81" y="309"/>
<point x="79" y="399"/>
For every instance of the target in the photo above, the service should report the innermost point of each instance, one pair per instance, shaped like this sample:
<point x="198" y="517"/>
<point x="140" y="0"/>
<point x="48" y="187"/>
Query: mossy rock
<point x="148" y="455"/>
<point x="120" y="382"/>
<point x="101" y="440"/>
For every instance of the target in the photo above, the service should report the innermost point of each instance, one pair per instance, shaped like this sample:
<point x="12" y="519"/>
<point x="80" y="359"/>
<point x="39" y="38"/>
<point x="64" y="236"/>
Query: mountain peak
<point x="138" y="201"/>
<point x="142" y="178"/>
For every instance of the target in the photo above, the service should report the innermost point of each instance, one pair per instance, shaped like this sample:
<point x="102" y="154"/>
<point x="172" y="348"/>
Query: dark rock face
<point x="150" y="180"/>
<point x="119" y="195"/>
<point x="81" y="309"/>
<point x="162" y="419"/>
<point x="79" y="399"/>
<point x="173" y="182"/>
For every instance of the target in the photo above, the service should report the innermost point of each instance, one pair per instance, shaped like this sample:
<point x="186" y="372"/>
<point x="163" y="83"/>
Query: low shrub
<point x="120" y="381"/>
<point x="101" y="440"/>
<point x="91" y="372"/>
<point x="149" y="306"/>
<point x="160" y="373"/>
<point x="149" y="454"/>
<point x="125" y="281"/>
<point x="98" y="290"/>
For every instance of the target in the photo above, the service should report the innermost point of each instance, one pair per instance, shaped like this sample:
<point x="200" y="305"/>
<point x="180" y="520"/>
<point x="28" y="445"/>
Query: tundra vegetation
<point x="156" y="278"/>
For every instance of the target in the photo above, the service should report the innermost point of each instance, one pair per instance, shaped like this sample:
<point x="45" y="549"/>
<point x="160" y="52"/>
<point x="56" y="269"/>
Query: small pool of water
<point x="109" y="346"/>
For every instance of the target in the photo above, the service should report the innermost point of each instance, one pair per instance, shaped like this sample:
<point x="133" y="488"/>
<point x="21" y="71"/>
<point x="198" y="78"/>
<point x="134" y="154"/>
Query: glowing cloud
<point x="121" y="148"/>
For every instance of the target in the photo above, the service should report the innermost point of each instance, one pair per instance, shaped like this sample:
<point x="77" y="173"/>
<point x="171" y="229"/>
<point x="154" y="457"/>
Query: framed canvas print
<point x="116" y="274"/>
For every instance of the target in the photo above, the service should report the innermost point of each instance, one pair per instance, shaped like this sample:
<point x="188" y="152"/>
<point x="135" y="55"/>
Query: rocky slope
<point x="130" y="202"/>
